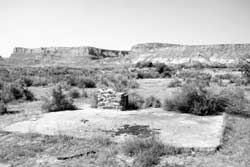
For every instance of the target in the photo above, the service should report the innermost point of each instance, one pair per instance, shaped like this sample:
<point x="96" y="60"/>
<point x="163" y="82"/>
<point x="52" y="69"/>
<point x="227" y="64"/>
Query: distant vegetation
<point x="155" y="70"/>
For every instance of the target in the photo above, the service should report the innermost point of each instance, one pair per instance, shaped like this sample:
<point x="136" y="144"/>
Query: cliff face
<point x="215" y="55"/>
<point x="72" y="56"/>
<point x="224" y="54"/>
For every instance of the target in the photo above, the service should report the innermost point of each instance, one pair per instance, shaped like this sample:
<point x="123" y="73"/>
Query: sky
<point x="120" y="24"/>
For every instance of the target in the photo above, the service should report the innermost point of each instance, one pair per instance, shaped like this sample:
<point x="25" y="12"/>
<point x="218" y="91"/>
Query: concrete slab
<point x="182" y="130"/>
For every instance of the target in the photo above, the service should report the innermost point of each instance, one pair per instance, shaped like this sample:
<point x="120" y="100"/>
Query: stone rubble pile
<point x="110" y="99"/>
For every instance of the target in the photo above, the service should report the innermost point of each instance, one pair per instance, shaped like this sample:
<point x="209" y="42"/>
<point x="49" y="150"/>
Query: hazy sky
<point x="119" y="24"/>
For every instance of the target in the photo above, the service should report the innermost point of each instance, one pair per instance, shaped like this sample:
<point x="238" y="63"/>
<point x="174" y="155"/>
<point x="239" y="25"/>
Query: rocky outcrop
<point x="71" y="56"/>
<point x="212" y="55"/>
<point x="224" y="54"/>
<point x="110" y="99"/>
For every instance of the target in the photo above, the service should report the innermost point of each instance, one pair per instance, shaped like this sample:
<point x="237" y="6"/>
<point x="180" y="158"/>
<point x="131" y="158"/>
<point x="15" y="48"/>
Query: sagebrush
<point x="58" y="102"/>
<point x="197" y="100"/>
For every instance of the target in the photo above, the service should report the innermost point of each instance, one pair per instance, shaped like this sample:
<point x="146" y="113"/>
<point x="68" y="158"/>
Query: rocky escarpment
<point x="64" y="56"/>
<point x="214" y="55"/>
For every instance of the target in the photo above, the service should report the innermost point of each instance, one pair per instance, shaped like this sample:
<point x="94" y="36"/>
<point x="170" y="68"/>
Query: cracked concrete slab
<point x="181" y="130"/>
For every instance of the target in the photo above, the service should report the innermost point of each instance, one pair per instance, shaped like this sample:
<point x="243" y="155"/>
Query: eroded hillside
<point x="213" y="55"/>
<point x="224" y="54"/>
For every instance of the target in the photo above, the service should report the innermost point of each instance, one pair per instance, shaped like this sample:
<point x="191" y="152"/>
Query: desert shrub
<point x="74" y="93"/>
<point x="86" y="82"/>
<point x="133" y="84"/>
<point x="3" y="108"/>
<point x="144" y="64"/>
<point x="237" y="100"/>
<point x="135" y="146"/>
<point x="58" y="101"/>
<point x="199" y="82"/>
<point x="240" y="82"/>
<point x="196" y="100"/>
<point x="118" y="82"/>
<point x="27" y="82"/>
<point x="164" y="70"/>
<point x="202" y="76"/>
<point x="147" y="151"/>
<point x="65" y="85"/>
<point x="172" y="165"/>
<point x="225" y="76"/>
<point x="135" y="101"/>
<point x="28" y="95"/>
<point x="15" y="91"/>
<point x="1" y="84"/>
<point x="245" y="68"/>
<point x="72" y="80"/>
<point x="152" y="102"/>
<point x="40" y="81"/>
<point x="175" y="83"/>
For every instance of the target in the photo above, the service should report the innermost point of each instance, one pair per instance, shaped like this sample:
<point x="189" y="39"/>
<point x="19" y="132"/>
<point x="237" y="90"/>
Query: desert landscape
<point x="163" y="105"/>
<point x="124" y="83"/>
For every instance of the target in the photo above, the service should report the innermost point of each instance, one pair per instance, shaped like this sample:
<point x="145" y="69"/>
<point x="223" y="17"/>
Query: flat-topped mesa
<point x="61" y="56"/>
<point x="173" y="54"/>
<point x="71" y="51"/>
<point x="223" y="54"/>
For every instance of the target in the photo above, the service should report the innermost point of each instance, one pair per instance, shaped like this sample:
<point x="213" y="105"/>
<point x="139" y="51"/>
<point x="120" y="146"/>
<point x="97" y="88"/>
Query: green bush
<point x="58" y="102"/>
<point x="152" y="102"/>
<point x="196" y="100"/>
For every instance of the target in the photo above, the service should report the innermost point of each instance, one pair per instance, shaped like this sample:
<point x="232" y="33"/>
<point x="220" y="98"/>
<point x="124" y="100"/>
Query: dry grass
<point x="34" y="149"/>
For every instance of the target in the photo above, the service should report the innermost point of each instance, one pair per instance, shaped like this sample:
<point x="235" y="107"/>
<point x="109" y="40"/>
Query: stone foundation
<point x="110" y="99"/>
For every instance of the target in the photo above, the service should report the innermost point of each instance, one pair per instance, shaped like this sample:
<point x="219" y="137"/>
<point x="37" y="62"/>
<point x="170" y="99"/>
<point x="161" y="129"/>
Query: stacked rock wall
<point x="110" y="99"/>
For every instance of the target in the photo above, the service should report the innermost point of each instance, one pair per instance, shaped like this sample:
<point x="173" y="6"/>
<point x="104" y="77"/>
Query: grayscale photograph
<point x="124" y="83"/>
